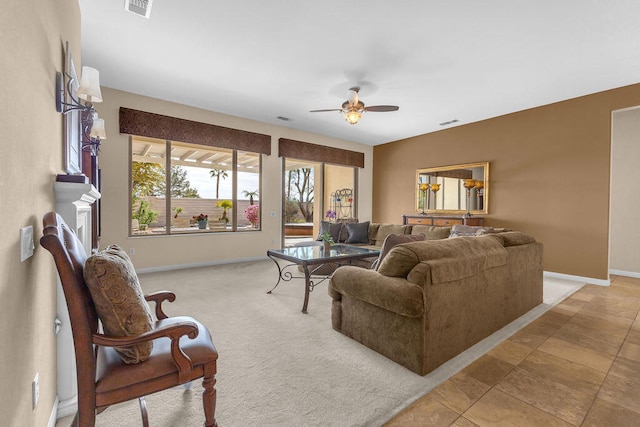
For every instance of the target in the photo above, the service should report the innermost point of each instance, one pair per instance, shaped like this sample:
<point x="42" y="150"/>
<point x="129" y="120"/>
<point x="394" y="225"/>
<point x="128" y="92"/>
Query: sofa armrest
<point x="390" y="293"/>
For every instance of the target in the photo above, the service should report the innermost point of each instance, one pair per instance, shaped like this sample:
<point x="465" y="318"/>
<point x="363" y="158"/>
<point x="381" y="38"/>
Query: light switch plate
<point x="26" y="243"/>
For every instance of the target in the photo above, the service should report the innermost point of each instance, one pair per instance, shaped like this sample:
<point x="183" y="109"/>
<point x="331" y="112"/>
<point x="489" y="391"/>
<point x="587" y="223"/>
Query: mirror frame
<point x="485" y="206"/>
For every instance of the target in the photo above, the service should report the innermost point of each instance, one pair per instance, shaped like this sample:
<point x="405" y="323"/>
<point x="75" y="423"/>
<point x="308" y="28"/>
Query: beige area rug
<point x="279" y="367"/>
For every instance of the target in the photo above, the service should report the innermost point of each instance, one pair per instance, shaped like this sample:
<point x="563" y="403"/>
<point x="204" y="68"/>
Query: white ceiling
<point x="438" y="60"/>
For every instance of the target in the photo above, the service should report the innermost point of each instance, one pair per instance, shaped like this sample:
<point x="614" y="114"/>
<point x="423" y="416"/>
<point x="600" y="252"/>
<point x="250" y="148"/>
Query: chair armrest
<point x="158" y="298"/>
<point x="172" y="331"/>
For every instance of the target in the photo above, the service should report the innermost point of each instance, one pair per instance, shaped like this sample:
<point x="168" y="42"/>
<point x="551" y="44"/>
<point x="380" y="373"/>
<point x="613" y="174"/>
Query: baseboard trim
<point x="53" y="417"/>
<point x="67" y="407"/>
<point x="589" y="280"/>
<point x="625" y="273"/>
<point x="199" y="264"/>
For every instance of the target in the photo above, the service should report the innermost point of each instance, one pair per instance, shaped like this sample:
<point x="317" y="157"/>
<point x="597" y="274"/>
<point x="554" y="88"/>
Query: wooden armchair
<point x="182" y="347"/>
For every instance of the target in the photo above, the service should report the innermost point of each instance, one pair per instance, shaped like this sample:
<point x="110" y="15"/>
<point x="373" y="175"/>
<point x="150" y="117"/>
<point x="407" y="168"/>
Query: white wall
<point x="625" y="192"/>
<point x="164" y="251"/>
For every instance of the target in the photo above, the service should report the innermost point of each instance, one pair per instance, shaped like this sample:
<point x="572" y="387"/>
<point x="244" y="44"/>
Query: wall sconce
<point x="94" y="132"/>
<point x="89" y="91"/>
<point x="82" y="100"/>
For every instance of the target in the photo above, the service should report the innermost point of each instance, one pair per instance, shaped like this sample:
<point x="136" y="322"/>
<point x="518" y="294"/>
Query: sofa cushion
<point x="119" y="301"/>
<point x="379" y="232"/>
<point x="431" y="232"/>
<point x="469" y="230"/>
<point x="455" y="259"/>
<point x="333" y="228"/>
<point x="357" y="232"/>
<point x="343" y="231"/>
<point x="393" y="240"/>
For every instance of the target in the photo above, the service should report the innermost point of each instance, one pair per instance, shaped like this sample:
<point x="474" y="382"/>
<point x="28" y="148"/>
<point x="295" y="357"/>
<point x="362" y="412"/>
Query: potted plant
<point x="202" y="220"/>
<point x="145" y="215"/>
<point x="225" y="204"/>
<point x="253" y="214"/>
<point x="327" y="241"/>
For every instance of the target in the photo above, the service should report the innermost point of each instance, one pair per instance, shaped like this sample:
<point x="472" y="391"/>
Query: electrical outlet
<point x="35" y="390"/>
<point x="132" y="251"/>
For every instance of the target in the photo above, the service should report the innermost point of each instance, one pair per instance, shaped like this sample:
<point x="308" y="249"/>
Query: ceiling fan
<point x="353" y="107"/>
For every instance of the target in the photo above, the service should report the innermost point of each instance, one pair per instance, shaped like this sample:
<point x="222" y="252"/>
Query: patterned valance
<point x="319" y="153"/>
<point x="141" y="123"/>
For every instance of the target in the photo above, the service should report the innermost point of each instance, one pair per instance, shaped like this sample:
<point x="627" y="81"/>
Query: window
<point x="210" y="189"/>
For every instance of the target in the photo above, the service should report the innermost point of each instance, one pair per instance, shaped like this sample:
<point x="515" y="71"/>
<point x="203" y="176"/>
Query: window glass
<point x="248" y="195"/>
<point x="200" y="181"/>
<point x="148" y="185"/>
<point x="339" y="192"/>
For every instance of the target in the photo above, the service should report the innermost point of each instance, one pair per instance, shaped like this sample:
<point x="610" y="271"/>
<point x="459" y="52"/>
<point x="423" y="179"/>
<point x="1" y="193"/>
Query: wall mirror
<point x="453" y="189"/>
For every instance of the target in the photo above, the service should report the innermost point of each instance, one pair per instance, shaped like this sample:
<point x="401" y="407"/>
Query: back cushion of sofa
<point x="380" y="232"/>
<point x="431" y="232"/>
<point x="449" y="259"/>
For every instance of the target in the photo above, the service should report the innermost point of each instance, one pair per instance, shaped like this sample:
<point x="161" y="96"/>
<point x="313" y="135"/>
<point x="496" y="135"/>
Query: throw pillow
<point x="393" y="240"/>
<point x="119" y="301"/>
<point x="333" y="228"/>
<point x="343" y="231"/>
<point x="468" y="230"/>
<point x="358" y="233"/>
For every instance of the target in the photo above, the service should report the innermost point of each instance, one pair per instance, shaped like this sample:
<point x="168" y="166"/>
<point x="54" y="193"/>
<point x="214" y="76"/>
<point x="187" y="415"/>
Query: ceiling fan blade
<point x="322" y="111"/>
<point x="382" y="108"/>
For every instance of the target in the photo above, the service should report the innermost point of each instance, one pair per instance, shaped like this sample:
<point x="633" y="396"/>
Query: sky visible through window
<point x="201" y="179"/>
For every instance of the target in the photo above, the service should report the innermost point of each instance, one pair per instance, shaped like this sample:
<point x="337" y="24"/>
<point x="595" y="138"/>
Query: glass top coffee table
<point x="311" y="257"/>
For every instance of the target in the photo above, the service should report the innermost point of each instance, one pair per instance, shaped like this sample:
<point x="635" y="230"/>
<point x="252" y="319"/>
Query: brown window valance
<point x="319" y="153"/>
<point x="142" y="123"/>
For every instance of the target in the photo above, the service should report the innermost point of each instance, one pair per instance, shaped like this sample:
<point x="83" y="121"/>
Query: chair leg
<point x="209" y="395"/>
<point x="143" y="411"/>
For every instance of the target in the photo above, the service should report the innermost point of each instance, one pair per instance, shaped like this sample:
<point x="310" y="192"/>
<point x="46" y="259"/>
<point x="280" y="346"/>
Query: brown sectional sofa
<point x="430" y="300"/>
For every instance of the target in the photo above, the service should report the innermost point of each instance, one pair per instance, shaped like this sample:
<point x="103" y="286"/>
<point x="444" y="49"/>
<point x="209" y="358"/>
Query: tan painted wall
<point x="625" y="191"/>
<point x="549" y="175"/>
<point x="33" y="35"/>
<point x="157" y="251"/>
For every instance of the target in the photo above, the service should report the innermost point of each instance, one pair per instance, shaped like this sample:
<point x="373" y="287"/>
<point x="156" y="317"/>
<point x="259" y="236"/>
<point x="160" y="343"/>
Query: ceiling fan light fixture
<point x="352" y="116"/>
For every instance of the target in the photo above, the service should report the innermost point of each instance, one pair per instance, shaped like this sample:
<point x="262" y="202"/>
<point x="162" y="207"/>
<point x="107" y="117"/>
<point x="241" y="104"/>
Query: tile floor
<point x="576" y="365"/>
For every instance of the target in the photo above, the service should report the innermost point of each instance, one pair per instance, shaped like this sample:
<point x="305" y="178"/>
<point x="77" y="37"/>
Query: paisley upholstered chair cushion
<point x="119" y="301"/>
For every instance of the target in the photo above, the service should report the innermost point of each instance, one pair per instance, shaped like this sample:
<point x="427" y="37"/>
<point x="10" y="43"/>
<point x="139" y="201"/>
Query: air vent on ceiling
<point x="450" y="122"/>
<point x="139" y="7"/>
<point x="284" y="119"/>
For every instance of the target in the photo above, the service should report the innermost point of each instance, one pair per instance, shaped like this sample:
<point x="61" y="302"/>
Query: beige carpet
<point x="279" y="367"/>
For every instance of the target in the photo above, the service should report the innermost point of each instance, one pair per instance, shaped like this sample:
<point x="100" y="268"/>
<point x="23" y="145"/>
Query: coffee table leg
<point x="307" y="287"/>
